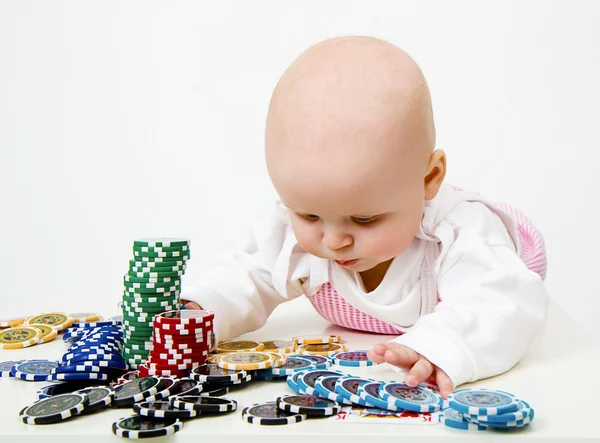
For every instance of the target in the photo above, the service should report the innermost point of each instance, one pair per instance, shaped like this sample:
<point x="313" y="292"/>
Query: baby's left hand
<point x="419" y="368"/>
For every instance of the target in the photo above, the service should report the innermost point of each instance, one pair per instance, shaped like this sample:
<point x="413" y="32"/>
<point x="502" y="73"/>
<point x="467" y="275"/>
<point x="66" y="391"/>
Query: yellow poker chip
<point x="316" y="339"/>
<point x="239" y="346"/>
<point x="279" y="346"/>
<point x="85" y="317"/>
<point x="246" y="361"/>
<point x="48" y="333"/>
<point x="279" y="359"/>
<point x="57" y="320"/>
<point x="12" y="322"/>
<point x="19" y="337"/>
<point x="212" y="358"/>
<point x="324" y="349"/>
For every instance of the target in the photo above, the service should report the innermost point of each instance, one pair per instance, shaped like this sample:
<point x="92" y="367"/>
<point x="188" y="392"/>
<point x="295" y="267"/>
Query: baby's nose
<point x="335" y="239"/>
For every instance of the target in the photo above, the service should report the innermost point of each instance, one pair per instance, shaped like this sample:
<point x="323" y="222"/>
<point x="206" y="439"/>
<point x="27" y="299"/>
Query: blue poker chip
<point x="415" y="399"/>
<point x="67" y="369"/>
<point x="524" y="410"/>
<point x="347" y="387"/>
<point x="325" y="388"/>
<point x="6" y="367"/>
<point x="369" y="393"/>
<point x="292" y="382"/>
<point x="352" y="358"/>
<point x="78" y="376"/>
<point x="319" y="361"/>
<point x="34" y="370"/>
<point x="95" y="324"/>
<point x="306" y="382"/>
<point x="454" y="419"/>
<point x="507" y="425"/>
<point x="483" y="402"/>
<point x="96" y="355"/>
<point x="293" y="364"/>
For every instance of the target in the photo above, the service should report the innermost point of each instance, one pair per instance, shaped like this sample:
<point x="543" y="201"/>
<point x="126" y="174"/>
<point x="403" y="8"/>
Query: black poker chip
<point x="214" y="390"/>
<point x="163" y="409"/>
<point x="309" y="405"/>
<point x="99" y="397"/>
<point x="201" y="403"/>
<point x="211" y="373"/>
<point x="269" y="414"/>
<point x="137" y="426"/>
<point x="53" y="409"/>
<point x="136" y="390"/>
<point x="187" y="386"/>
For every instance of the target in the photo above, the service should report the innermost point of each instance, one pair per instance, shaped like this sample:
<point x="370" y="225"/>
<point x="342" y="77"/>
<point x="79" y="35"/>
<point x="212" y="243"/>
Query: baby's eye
<point x="310" y="217"/>
<point x="364" y="220"/>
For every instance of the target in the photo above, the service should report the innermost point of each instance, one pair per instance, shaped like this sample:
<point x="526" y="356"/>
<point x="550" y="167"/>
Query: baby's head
<point x="350" y="149"/>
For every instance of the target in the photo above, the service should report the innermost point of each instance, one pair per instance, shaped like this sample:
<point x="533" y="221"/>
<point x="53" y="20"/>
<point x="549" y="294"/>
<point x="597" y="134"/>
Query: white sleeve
<point x="241" y="288"/>
<point x="491" y="305"/>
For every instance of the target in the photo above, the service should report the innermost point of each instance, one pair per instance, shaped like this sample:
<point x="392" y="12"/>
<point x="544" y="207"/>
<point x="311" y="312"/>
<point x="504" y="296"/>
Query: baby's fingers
<point x="444" y="383"/>
<point x="376" y="354"/>
<point x="421" y="371"/>
<point x="401" y="356"/>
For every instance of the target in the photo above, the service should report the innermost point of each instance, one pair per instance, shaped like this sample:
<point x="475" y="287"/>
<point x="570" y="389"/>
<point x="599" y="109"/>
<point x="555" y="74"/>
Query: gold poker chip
<point x="19" y="337"/>
<point x="316" y="339"/>
<point x="246" y="361"/>
<point x="325" y="349"/>
<point x="48" y="332"/>
<point x="58" y="320"/>
<point x="239" y="346"/>
<point x="12" y="322"/>
<point x="279" y="346"/>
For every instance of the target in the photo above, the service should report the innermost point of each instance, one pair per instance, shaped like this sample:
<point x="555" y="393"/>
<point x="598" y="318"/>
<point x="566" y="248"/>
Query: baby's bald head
<point x="350" y="131"/>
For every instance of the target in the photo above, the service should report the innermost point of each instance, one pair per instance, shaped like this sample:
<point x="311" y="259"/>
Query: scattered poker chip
<point x="319" y="361"/>
<point x="34" y="370"/>
<point x="48" y="332"/>
<point x="280" y="346"/>
<point x="85" y="317"/>
<point x="369" y="393"/>
<point x="316" y="339"/>
<point x="212" y="358"/>
<point x="293" y="364"/>
<point x="6" y="367"/>
<point x="168" y="389"/>
<point x="239" y="346"/>
<point x="12" y="322"/>
<point x="58" y="320"/>
<point x="53" y="409"/>
<point x="246" y="361"/>
<point x="325" y="388"/>
<point x="69" y="376"/>
<point x="19" y="337"/>
<point x="347" y="387"/>
<point x="483" y="402"/>
<point x="187" y="386"/>
<point x="352" y="358"/>
<point x="415" y="399"/>
<point x="136" y="390"/>
<point x="128" y="376"/>
<point x="326" y="349"/>
<point x="292" y="382"/>
<point x="62" y="388"/>
<point x="215" y="390"/>
<point x="524" y="410"/>
<point x="309" y="405"/>
<point x="268" y="414"/>
<point x="211" y="373"/>
<point x="99" y="397"/>
<point x="306" y="382"/>
<point x="506" y="425"/>
<point x="138" y="426"/>
<point x="201" y="403"/>
<point x="454" y="419"/>
<point x="279" y="359"/>
<point x="163" y="409"/>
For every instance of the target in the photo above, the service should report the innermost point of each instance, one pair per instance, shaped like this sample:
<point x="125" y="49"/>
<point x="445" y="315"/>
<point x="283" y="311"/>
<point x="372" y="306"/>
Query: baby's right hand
<point x="190" y="305"/>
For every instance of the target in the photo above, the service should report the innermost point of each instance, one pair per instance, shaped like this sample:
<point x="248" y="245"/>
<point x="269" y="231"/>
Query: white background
<point x="141" y="118"/>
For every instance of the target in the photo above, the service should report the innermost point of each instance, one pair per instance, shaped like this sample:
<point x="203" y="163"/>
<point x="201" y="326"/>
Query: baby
<point x="368" y="231"/>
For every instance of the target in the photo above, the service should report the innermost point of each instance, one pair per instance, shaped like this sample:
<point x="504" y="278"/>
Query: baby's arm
<point x="491" y="307"/>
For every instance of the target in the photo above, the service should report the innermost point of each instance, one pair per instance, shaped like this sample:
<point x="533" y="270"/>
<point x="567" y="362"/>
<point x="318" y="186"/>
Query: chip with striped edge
<point x="99" y="397"/>
<point x="85" y="317"/>
<point x="163" y="409"/>
<point x="58" y="320"/>
<point x="293" y="364"/>
<point x="326" y="349"/>
<point x="12" y="322"/>
<point x="138" y="426"/>
<point x="34" y="370"/>
<point x="268" y="414"/>
<point x="161" y="242"/>
<point x="48" y="333"/>
<point x="246" y="361"/>
<point x="319" y="361"/>
<point x="524" y="410"/>
<point x="279" y="346"/>
<point x="53" y="409"/>
<point x="307" y="381"/>
<point x="352" y="359"/>
<point x="201" y="403"/>
<point x="415" y="399"/>
<point x="6" y="367"/>
<point x="483" y="402"/>
<point x="454" y="419"/>
<point x="347" y="387"/>
<point x="239" y="346"/>
<point x="316" y="339"/>
<point x="325" y="387"/>
<point x="19" y="337"/>
<point x="309" y="405"/>
<point x="211" y="373"/>
<point x="369" y="392"/>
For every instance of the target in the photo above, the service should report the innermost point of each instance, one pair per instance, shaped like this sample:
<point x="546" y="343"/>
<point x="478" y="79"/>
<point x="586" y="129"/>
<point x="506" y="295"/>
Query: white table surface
<point x="558" y="378"/>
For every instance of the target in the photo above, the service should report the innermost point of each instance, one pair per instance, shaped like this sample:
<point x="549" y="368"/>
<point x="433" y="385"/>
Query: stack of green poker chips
<point x="152" y="285"/>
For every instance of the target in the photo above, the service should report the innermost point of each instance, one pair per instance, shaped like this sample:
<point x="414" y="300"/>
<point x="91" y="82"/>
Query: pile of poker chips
<point x="151" y="286"/>
<point x="486" y="409"/>
<point x="181" y="341"/>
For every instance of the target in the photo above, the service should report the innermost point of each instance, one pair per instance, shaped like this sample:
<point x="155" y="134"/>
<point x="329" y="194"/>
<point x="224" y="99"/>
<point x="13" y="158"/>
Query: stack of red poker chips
<point x="181" y="341"/>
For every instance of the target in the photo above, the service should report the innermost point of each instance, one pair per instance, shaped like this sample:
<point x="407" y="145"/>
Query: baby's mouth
<point x="346" y="262"/>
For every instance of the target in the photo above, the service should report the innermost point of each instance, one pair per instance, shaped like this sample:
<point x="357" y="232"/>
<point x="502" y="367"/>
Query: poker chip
<point x="165" y="242"/>
<point x="99" y="397"/>
<point x="127" y="377"/>
<point x="316" y="339"/>
<point x="136" y="390"/>
<point x="246" y="361"/>
<point x="524" y="410"/>
<point x="369" y="393"/>
<point x="187" y="386"/>
<point x="168" y="389"/>
<point x="19" y="337"/>
<point x="292" y="382"/>
<point x="268" y="414"/>
<point x="483" y="402"/>
<point x="192" y="317"/>
<point x="506" y="425"/>
<point x="352" y="358"/>
<point x="215" y="390"/>
<point x="77" y="376"/>
<point x="279" y="346"/>
<point x="62" y="388"/>
<point x="11" y="322"/>
<point x="53" y="409"/>
<point x="211" y="373"/>
<point x="292" y="365"/>
<point x="202" y="403"/>
<point x="319" y="361"/>
<point x="325" y="388"/>
<point x="138" y="426"/>
<point x="34" y="370"/>
<point x="454" y="419"/>
<point x="415" y="399"/>
<point x="306" y="382"/>
<point x="326" y="349"/>
<point x="279" y="359"/>
<point x="85" y="317"/>
<point x="163" y="409"/>
<point x="347" y="388"/>
<point x="48" y="332"/>
<point x="309" y="405"/>
<point x="239" y="346"/>
<point x="212" y="358"/>
<point x="6" y="367"/>
<point x="58" y="320"/>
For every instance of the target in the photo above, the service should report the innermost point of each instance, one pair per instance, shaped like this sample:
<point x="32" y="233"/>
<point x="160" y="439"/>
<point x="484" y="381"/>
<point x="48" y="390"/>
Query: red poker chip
<point x="171" y="361"/>
<point x="164" y="367"/>
<point x="182" y="343"/>
<point x="145" y="372"/>
<point x="181" y="348"/>
<point x="169" y="336"/>
<point x="174" y="356"/>
<point x="187" y="316"/>
<point x="188" y="331"/>
<point x="205" y="326"/>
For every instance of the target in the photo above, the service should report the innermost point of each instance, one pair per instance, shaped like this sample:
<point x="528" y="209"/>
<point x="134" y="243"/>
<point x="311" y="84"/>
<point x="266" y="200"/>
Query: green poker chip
<point x="168" y="291"/>
<point x="141" y="305"/>
<point x="168" y="284"/>
<point x="150" y="309"/>
<point x="174" y="255"/>
<point x="154" y="280"/>
<point x="161" y="249"/>
<point x="136" y="273"/>
<point x="158" y="242"/>
<point x="144" y="299"/>
<point x="164" y="261"/>
<point x="171" y="266"/>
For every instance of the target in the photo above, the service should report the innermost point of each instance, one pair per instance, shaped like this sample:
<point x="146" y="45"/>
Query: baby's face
<point x="349" y="144"/>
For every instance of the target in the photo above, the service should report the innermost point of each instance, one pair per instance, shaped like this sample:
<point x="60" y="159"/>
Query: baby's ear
<point x="436" y="171"/>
